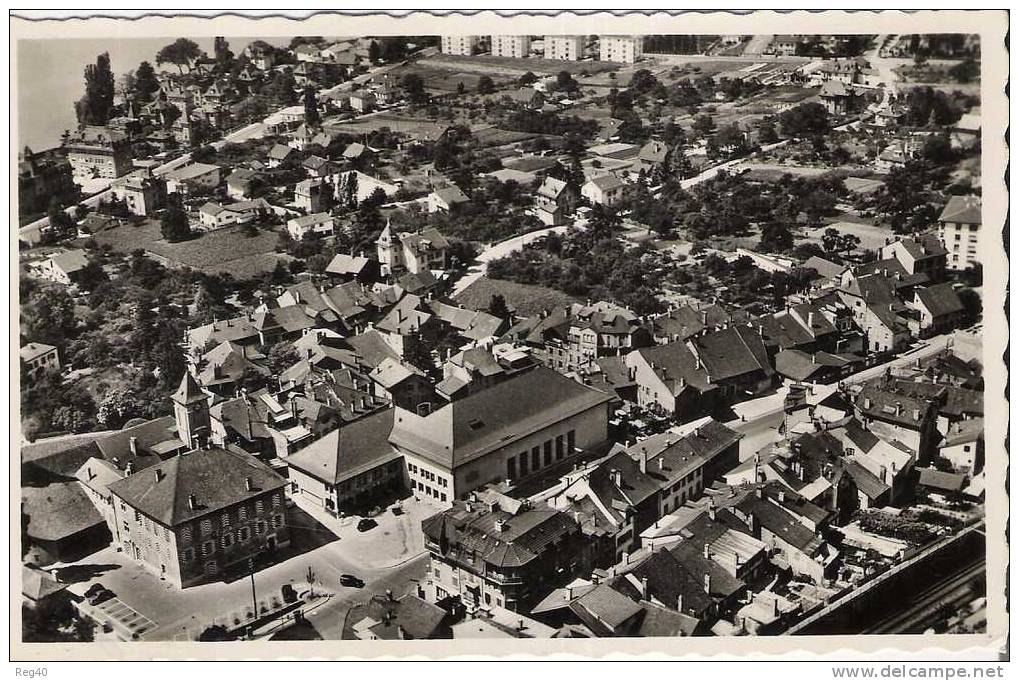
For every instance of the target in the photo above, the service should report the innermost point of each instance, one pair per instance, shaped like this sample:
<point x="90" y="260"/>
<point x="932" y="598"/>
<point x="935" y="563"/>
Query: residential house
<point x="37" y="359"/>
<point x="278" y="154"/>
<point x="143" y="194"/>
<point x="313" y="195"/>
<point x="940" y="310"/>
<point x="63" y="268"/>
<point x="316" y="223"/>
<point x="383" y="617"/>
<point x="446" y="199"/>
<point x="414" y="252"/>
<point x="191" y="178"/>
<point x="605" y="190"/>
<point x="362" y="101"/>
<point x="921" y="254"/>
<point x="963" y="446"/>
<point x="213" y="215"/>
<point x="502" y="552"/>
<point x="241" y="184"/>
<point x="554" y="202"/>
<point x="837" y="97"/>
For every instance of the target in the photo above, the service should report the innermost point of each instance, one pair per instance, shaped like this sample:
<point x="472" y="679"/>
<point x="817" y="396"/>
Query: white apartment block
<point x="564" y="47"/>
<point x="459" y="44"/>
<point x="622" y="49"/>
<point x="958" y="228"/>
<point x="516" y="46"/>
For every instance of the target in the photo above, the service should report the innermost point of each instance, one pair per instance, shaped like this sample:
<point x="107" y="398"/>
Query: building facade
<point x="99" y="152"/>
<point x="564" y="47"/>
<point x="959" y="229"/>
<point x="516" y="46"/>
<point x="622" y="49"/>
<point x="201" y="515"/>
<point x="463" y="45"/>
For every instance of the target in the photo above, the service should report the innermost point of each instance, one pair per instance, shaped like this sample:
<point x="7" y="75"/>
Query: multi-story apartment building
<point x="463" y="45"/>
<point x="564" y="47"/>
<point x="99" y="152"/>
<point x="622" y="49"/>
<point x="200" y="515"/>
<point x="503" y="553"/>
<point x="517" y="46"/>
<point x="959" y="229"/>
<point x="509" y="431"/>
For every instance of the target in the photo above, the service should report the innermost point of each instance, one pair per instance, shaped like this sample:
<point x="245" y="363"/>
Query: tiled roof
<point x="940" y="299"/>
<point x="474" y="425"/>
<point x="58" y="511"/>
<point x="963" y="209"/>
<point x="356" y="447"/>
<point x="215" y="477"/>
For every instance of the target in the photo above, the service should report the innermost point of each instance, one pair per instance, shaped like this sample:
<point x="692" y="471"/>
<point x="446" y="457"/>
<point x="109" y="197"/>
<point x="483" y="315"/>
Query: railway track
<point x="923" y="607"/>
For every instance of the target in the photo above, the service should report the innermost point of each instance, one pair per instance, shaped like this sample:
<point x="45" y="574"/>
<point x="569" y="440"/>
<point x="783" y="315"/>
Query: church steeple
<point x="191" y="410"/>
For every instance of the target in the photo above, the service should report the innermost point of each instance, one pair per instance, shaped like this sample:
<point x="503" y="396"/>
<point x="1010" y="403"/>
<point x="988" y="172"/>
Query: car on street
<point x="351" y="580"/>
<point x="365" y="524"/>
<point x="97" y="593"/>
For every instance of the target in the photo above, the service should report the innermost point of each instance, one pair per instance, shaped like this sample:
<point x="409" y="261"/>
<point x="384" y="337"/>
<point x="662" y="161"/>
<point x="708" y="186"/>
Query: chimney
<point x="707" y="583"/>
<point x="160" y="475"/>
<point x="500" y="525"/>
<point x="751" y="522"/>
<point x="916" y="414"/>
<point x="866" y="403"/>
<point x="617" y="477"/>
<point x="759" y="492"/>
<point x="389" y="595"/>
<point x="643" y="460"/>
<point x="248" y="484"/>
<point x="626" y="557"/>
<point x="643" y="588"/>
<point x="898" y="408"/>
<point x="192" y="501"/>
<point x="679" y="602"/>
<point x="810" y="320"/>
<point x="134" y="445"/>
<point x="707" y="553"/>
<point x="129" y="468"/>
<point x="781" y="496"/>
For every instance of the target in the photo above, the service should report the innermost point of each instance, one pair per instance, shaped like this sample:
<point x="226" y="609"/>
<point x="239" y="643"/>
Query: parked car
<point x="97" y="593"/>
<point x="289" y="593"/>
<point x="351" y="580"/>
<point x="365" y="524"/>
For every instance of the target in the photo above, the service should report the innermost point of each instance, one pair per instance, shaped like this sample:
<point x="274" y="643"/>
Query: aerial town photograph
<point x="393" y="337"/>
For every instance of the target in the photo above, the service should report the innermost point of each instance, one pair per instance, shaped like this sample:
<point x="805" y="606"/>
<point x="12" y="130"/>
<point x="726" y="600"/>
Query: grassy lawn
<point x="511" y="67"/>
<point x="223" y="251"/>
<point x="526" y="299"/>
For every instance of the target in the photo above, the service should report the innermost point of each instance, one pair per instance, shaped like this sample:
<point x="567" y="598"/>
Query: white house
<point x="188" y="178"/>
<point x="606" y="190"/>
<point x="445" y="199"/>
<point x="213" y="216"/>
<point x="319" y="223"/>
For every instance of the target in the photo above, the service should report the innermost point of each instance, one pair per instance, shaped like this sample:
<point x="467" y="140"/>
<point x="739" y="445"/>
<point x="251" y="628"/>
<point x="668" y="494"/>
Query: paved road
<point x="328" y="619"/>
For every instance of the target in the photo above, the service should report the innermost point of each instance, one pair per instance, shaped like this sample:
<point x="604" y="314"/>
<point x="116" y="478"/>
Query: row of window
<point x="226" y="519"/>
<point x="228" y="539"/>
<point x="541" y="456"/>
<point x="427" y="489"/>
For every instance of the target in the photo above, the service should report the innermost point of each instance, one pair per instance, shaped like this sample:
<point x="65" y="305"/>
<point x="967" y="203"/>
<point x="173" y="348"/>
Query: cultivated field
<point x="221" y="252"/>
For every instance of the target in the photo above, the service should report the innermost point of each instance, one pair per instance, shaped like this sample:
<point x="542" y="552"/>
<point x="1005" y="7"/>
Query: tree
<point x="311" y="114"/>
<point x="804" y="120"/>
<point x="527" y="79"/>
<point x="174" y="224"/>
<point x="181" y="53"/>
<point x="281" y="357"/>
<point x="766" y="132"/>
<point x="95" y="106"/>
<point x="938" y="150"/>
<point x="497" y="307"/>
<point x="48" y="316"/>
<point x="414" y="86"/>
<point x="703" y="124"/>
<point x="282" y="89"/>
<point x="485" y="85"/>
<point x="374" y="52"/>
<point x="145" y="82"/>
<point x="222" y="53"/>
<point x="60" y="223"/>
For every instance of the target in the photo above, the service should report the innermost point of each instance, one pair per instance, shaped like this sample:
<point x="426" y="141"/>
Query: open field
<point x="223" y="251"/>
<point x="509" y="67"/>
